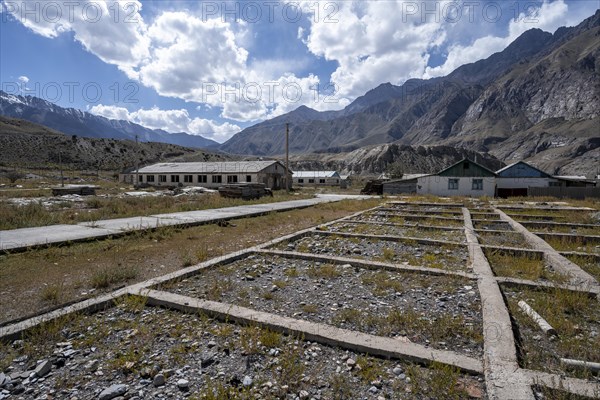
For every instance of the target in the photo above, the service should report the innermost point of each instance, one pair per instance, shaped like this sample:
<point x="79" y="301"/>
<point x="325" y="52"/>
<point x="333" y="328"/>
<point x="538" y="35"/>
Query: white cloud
<point x="23" y="79"/>
<point x="548" y="16"/>
<point x="112" y="30"/>
<point x="184" y="55"/>
<point x="173" y="121"/>
<point x="371" y="47"/>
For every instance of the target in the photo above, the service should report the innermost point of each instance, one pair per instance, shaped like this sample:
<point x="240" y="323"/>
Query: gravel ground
<point x="441" y="312"/>
<point x="394" y="218"/>
<point x="449" y="257"/>
<point x="506" y="239"/>
<point x="492" y="225"/>
<point x="412" y="208"/>
<point x="137" y="352"/>
<point x="456" y="235"/>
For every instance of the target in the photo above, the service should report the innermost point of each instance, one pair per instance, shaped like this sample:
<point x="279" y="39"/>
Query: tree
<point x="395" y="170"/>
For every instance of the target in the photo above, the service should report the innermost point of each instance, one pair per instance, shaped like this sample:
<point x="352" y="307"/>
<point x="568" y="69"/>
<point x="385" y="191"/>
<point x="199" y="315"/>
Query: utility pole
<point x="137" y="163"/>
<point x="62" y="178"/>
<point x="287" y="157"/>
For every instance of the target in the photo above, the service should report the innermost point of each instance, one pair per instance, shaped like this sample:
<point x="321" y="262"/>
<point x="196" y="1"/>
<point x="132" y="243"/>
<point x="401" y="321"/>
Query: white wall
<point x="438" y="185"/>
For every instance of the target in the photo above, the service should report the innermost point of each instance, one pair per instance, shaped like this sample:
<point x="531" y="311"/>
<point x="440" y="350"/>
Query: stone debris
<point x="113" y="391"/>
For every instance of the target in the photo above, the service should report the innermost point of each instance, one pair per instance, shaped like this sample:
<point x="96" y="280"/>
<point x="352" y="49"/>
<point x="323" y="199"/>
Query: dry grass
<point x="151" y="254"/>
<point x="99" y="208"/>
<point x="530" y="267"/>
<point x="573" y="243"/>
<point x="574" y="315"/>
<point x="589" y="264"/>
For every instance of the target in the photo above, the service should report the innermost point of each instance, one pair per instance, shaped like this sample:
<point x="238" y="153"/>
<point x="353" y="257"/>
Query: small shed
<point x="406" y="185"/>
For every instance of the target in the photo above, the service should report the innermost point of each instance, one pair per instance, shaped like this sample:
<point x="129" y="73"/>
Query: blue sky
<point x="214" y="67"/>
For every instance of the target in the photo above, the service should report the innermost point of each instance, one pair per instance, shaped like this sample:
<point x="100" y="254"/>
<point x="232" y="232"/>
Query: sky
<point x="212" y="68"/>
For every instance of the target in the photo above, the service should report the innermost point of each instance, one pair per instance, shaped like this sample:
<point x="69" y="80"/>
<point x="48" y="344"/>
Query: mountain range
<point x="24" y="144"/>
<point x="76" y="122"/>
<point x="537" y="100"/>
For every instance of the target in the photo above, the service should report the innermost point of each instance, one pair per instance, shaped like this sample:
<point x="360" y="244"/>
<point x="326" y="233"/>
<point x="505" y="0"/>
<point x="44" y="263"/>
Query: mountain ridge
<point x="77" y="122"/>
<point x="473" y="106"/>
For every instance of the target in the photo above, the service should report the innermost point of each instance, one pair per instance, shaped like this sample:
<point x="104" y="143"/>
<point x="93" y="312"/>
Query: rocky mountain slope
<point x="538" y="100"/>
<point x="25" y="144"/>
<point x="374" y="160"/>
<point x="76" y="122"/>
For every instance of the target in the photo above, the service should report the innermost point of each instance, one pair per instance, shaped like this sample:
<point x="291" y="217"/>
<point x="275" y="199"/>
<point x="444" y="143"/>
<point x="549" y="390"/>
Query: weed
<point x="291" y="272"/>
<point x="217" y="287"/>
<point x="388" y="254"/>
<point x="327" y="271"/>
<point x="280" y="284"/>
<point x="369" y="369"/>
<point x="292" y="367"/>
<point x="268" y="295"/>
<point x="310" y="308"/>
<point x="340" y="387"/>
<point x="106" y="277"/>
<point x="202" y="254"/>
<point x="382" y="283"/>
<point x="270" y="338"/>
<point x="52" y="293"/>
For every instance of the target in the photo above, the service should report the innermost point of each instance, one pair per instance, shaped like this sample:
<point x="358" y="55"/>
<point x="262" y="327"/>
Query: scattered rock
<point x="159" y="380"/>
<point x="183" y="384"/>
<point x="43" y="368"/>
<point x="113" y="391"/>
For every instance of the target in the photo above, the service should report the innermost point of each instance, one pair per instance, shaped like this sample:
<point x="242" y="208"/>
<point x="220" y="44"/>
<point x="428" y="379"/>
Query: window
<point x="202" y="179"/>
<point x="311" y="181"/>
<point x="162" y="178"/>
<point x="452" y="184"/>
<point x="300" y="180"/>
<point x="217" y="179"/>
<point x="248" y="178"/>
<point x="321" y="180"/>
<point x="232" y="179"/>
<point x="188" y="178"/>
<point x="477" y="184"/>
<point x="466" y="165"/>
<point x="174" y="178"/>
<point x="150" y="178"/>
<point x="141" y="178"/>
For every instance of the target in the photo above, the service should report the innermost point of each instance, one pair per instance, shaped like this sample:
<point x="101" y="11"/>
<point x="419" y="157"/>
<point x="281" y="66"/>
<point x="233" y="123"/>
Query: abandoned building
<point x="465" y="178"/>
<point x="210" y="174"/>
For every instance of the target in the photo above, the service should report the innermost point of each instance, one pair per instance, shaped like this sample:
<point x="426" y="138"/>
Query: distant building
<point x="406" y="185"/>
<point x="318" y="178"/>
<point x="210" y="174"/>
<point x="520" y="178"/>
<point x="465" y="178"/>
<point x="516" y="179"/>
